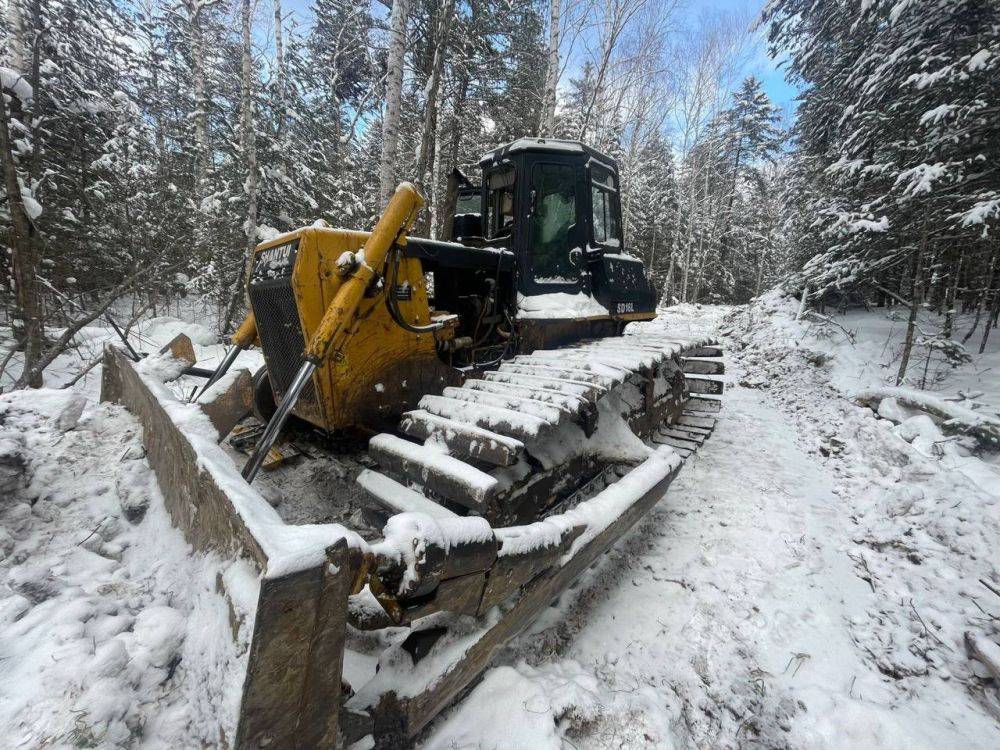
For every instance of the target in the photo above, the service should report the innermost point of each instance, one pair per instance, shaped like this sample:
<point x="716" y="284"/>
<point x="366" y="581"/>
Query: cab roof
<point x="545" y="145"/>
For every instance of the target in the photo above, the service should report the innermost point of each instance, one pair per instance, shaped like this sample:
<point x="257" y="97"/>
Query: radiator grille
<point x="281" y="338"/>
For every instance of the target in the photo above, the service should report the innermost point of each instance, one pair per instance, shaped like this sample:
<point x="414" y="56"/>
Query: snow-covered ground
<point x="807" y="581"/>
<point x="112" y="633"/>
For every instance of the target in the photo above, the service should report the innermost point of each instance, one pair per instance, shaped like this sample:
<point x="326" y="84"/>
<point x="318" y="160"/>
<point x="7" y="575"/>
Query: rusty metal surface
<point x="230" y="406"/>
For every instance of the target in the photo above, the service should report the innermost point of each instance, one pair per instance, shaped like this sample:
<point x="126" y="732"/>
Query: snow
<point x="166" y="328"/>
<point x="596" y="514"/>
<point x="980" y="60"/>
<point x="806" y="582"/>
<point x="31" y="206"/>
<point x="220" y="386"/>
<point x="954" y="418"/>
<point x="937" y="114"/>
<point x="112" y="631"/>
<point x="195" y="318"/>
<point x="403" y="498"/>
<point x="543" y="699"/>
<point x="288" y="548"/>
<point x="406" y="536"/>
<point x="550" y="144"/>
<point x="559" y="305"/>
<point x="980" y="211"/>
<point x="477" y="481"/>
<point x="620" y="256"/>
<point x="488" y="417"/>
<point x="347" y="262"/>
<point x="13" y="81"/>
<point x="920" y="179"/>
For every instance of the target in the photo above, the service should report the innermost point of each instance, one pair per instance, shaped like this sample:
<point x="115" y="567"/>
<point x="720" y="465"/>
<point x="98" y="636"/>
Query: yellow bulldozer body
<point x="381" y="368"/>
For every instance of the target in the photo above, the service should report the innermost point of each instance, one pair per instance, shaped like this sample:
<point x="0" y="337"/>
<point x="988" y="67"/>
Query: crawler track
<point x="527" y="438"/>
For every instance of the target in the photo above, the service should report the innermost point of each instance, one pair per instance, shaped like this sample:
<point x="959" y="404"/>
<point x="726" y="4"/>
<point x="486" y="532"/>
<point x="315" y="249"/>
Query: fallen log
<point x="954" y="419"/>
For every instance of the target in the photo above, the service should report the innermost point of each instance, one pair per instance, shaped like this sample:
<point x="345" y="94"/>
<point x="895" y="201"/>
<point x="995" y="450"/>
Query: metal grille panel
<point x="281" y="336"/>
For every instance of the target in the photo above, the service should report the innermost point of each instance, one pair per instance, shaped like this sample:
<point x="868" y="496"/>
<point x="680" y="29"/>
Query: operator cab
<point x="555" y="204"/>
<point x="545" y="220"/>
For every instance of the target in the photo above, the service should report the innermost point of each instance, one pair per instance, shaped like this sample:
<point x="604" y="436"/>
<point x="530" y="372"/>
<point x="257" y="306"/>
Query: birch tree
<point x="446" y="11"/>
<point x="248" y="143"/>
<point x="194" y="16"/>
<point x="393" y="97"/>
<point x="552" y="69"/>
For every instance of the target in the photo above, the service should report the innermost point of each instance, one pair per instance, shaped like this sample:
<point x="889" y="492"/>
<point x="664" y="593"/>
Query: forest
<point x="148" y="146"/>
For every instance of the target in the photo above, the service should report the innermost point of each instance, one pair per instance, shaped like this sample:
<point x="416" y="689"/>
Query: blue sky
<point x="759" y="63"/>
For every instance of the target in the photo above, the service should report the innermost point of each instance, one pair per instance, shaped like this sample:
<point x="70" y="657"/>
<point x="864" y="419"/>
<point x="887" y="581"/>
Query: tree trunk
<point x="249" y="142"/>
<point x="547" y="125"/>
<point x="759" y="281"/>
<point x="24" y="246"/>
<point x="393" y="97"/>
<point x="950" y="294"/>
<point x="279" y="66"/>
<point x="724" y="244"/>
<point x="613" y="26"/>
<point x="446" y="11"/>
<point x="446" y="220"/>
<point x="203" y="148"/>
<point x="991" y="320"/>
<point x="983" y="297"/>
<point x="17" y="55"/>
<point x="438" y="171"/>
<point x="668" y="285"/>
<point x="911" y="323"/>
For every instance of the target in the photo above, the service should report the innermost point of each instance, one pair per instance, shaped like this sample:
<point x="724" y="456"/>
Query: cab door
<point x="553" y="235"/>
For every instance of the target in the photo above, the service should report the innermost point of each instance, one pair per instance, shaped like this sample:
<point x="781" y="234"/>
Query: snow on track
<point x="806" y="582"/>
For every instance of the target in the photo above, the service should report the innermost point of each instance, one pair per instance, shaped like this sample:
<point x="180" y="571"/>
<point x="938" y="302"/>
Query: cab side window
<point x="604" y="200"/>
<point x="500" y="205"/>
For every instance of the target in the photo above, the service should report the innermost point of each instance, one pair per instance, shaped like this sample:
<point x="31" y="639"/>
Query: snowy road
<point x="734" y="616"/>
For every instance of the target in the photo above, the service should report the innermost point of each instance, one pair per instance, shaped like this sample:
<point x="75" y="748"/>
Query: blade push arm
<point x="244" y="338"/>
<point x="338" y="320"/>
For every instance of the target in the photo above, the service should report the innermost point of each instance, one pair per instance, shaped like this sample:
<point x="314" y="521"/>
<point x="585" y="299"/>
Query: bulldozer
<point x="367" y="333"/>
<point x="511" y="420"/>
